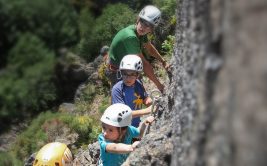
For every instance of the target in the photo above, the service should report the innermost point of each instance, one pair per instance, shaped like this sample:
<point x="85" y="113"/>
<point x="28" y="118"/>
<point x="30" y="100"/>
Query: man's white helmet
<point x="151" y="14"/>
<point x="131" y="62"/>
<point x="118" y="115"/>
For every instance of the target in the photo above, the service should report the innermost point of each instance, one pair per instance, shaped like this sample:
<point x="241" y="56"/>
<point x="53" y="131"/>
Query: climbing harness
<point x="156" y="97"/>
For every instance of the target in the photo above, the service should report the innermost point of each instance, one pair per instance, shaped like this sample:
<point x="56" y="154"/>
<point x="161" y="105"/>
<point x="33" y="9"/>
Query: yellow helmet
<point x="53" y="154"/>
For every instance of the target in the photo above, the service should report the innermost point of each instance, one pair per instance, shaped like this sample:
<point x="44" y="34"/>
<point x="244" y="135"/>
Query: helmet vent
<point x="120" y="115"/>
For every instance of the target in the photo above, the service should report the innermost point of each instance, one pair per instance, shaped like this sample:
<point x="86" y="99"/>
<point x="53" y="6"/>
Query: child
<point x="130" y="90"/>
<point x="116" y="137"/>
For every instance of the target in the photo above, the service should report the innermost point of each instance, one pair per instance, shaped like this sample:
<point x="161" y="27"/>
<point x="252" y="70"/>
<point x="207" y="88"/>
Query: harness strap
<point x="113" y="68"/>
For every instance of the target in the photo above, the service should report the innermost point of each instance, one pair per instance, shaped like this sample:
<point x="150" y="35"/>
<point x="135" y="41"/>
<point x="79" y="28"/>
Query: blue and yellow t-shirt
<point x="133" y="96"/>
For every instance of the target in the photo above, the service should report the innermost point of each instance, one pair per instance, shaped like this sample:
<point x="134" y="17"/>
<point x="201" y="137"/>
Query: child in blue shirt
<point x="130" y="90"/>
<point x="116" y="138"/>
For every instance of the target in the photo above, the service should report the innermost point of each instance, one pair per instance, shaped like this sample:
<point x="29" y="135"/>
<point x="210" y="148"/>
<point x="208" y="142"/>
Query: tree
<point x="26" y="86"/>
<point x="113" y="18"/>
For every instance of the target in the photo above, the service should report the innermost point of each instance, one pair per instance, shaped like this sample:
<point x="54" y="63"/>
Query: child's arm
<point x="120" y="148"/>
<point x="138" y="113"/>
<point x="145" y="111"/>
<point x="142" y="126"/>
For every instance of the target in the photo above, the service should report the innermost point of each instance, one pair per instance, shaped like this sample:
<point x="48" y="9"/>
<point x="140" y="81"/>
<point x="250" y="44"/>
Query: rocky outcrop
<point x="215" y="111"/>
<point x="89" y="156"/>
<point x="71" y="71"/>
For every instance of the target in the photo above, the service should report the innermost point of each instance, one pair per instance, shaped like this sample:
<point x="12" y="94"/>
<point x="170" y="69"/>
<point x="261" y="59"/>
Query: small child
<point x="130" y="89"/>
<point x="117" y="134"/>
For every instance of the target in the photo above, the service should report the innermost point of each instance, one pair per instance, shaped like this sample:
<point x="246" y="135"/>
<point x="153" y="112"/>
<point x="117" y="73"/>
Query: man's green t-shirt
<point x="125" y="42"/>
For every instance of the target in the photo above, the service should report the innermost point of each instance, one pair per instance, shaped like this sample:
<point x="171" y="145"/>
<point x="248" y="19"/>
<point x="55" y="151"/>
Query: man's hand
<point x="166" y="65"/>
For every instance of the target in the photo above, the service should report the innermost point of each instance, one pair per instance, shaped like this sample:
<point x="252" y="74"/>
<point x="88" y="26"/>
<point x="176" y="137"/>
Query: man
<point x="131" y="40"/>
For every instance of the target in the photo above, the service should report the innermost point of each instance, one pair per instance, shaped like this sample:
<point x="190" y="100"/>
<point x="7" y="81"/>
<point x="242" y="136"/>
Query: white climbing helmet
<point x="54" y="153"/>
<point x="131" y="62"/>
<point x="151" y="14"/>
<point x="118" y="115"/>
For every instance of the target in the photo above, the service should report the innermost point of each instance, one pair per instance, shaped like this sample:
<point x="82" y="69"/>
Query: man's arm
<point x="154" y="52"/>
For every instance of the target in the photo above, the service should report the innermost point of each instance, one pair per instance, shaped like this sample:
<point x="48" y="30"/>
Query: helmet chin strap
<point x="119" y="76"/>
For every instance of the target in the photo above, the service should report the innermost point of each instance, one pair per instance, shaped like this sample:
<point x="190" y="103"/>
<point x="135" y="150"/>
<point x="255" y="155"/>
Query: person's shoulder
<point x="126" y="28"/>
<point x="132" y="128"/>
<point x="131" y="27"/>
<point x="117" y="88"/>
<point x="118" y="85"/>
<point x="130" y="31"/>
<point x="100" y="137"/>
<point x="139" y="84"/>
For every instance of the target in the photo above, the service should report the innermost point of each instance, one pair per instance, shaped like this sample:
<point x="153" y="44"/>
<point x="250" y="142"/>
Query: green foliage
<point x="86" y="20"/>
<point x="87" y="96"/>
<point x="86" y="24"/>
<point x="104" y="29"/>
<point x="167" y="7"/>
<point x="36" y="135"/>
<point x="88" y="93"/>
<point x="7" y="159"/>
<point x="102" y="75"/>
<point x="28" y="50"/>
<point x="168" y="45"/>
<point x="87" y="127"/>
<point x="82" y="106"/>
<point x="53" y="21"/>
<point x="113" y="18"/>
<point x="137" y="4"/>
<point x="26" y="83"/>
<point x="104" y="104"/>
<point x="33" y="138"/>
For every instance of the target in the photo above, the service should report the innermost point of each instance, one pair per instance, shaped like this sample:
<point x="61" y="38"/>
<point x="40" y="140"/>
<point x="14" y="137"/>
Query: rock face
<point x="215" y="112"/>
<point x="71" y="71"/>
<point x="89" y="156"/>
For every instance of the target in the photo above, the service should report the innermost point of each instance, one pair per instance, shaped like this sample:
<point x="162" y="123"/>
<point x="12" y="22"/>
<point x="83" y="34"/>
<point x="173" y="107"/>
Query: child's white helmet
<point x="151" y="14"/>
<point x="118" y="115"/>
<point x="131" y="62"/>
